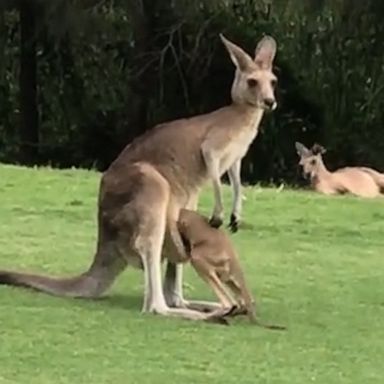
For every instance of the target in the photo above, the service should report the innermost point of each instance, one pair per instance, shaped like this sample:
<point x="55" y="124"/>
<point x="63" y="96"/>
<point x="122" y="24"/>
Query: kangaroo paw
<point x="234" y="223"/>
<point x="215" y="222"/>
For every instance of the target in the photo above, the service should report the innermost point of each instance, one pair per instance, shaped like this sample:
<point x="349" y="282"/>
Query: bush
<point x="108" y="72"/>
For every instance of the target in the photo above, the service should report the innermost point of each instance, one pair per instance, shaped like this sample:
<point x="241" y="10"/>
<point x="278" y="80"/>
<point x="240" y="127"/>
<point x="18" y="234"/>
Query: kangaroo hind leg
<point x="151" y="208"/>
<point x="209" y="275"/>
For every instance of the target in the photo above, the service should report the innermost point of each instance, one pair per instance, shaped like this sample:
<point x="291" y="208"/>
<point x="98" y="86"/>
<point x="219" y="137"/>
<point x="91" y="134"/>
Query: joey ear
<point x="265" y="52"/>
<point x="240" y="58"/>
<point x="302" y="150"/>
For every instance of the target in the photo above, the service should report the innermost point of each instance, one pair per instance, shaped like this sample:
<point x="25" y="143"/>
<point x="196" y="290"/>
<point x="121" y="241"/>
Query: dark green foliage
<point x="108" y="70"/>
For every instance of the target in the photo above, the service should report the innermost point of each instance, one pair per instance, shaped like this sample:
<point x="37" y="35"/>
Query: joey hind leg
<point x="241" y="309"/>
<point x="208" y="274"/>
<point x="174" y="294"/>
<point x="173" y="291"/>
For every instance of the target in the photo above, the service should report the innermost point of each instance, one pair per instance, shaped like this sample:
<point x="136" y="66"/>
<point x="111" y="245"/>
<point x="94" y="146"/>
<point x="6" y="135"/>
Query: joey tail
<point x="270" y="326"/>
<point x="244" y="311"/>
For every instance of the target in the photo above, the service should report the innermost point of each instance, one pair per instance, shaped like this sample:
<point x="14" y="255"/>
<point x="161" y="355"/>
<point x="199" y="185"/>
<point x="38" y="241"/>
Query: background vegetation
<point x="79" y="79"/>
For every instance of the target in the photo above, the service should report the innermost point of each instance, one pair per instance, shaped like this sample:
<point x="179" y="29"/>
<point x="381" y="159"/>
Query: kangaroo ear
<point x="302" y="150"/>
<point x="318" y="149"/>
<point x="265" y="52"/>
<point x="240" y="58"/>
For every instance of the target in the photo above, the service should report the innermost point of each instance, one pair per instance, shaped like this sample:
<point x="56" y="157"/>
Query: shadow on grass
<point x="132" y="302"/>
<point x="115" y="301"/>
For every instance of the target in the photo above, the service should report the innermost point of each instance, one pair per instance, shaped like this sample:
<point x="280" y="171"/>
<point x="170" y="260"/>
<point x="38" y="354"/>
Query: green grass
<point x="315" y="264"/>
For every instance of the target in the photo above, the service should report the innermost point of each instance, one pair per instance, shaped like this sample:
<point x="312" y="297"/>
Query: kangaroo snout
<point x="306" y="173"/>
<point x="269" y="104"/>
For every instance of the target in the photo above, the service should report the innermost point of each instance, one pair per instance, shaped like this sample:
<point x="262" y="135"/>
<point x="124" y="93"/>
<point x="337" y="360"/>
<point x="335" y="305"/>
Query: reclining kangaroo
<point x="360" y="181"/>
<point x="156" y="175"/>
<point x="215" y="260"/>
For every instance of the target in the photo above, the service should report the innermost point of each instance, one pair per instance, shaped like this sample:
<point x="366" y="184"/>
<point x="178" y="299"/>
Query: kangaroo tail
<point x="90" y="284"/>
<point x="84" y="285"/>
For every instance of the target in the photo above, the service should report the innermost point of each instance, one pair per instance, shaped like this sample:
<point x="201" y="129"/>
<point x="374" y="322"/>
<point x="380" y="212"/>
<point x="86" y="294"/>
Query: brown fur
<point x="359" y="181"/>
<point x="216" y="262"/>
<point x="143" y="190"/>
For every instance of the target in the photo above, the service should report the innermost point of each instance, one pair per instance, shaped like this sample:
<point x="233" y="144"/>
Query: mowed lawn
<point x="315" y="264"/>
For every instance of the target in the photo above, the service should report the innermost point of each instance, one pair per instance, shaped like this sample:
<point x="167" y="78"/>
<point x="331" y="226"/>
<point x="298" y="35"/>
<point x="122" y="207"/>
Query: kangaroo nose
<point x="269" y="102"/>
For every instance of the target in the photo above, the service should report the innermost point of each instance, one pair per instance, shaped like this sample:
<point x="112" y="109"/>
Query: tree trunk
<point x="29" y="117"/>
<point x="2" y="43"/>
<point x="142" y="30"/>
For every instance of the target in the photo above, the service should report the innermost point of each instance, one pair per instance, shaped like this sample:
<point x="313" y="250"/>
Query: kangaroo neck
<point x="252" y="113"/>
<point x="321" y="173"/>
<point x="246" y="107"/>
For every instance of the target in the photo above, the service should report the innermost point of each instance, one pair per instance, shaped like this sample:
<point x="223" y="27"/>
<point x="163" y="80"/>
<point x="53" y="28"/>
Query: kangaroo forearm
<point x="235" y="180"/>
<point x="214" y="174"/>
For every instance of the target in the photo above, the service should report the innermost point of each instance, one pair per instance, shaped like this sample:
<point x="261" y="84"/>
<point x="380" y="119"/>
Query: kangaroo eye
<point x="252" y="83"/>
<point x="274" y="83"/>
<point x="313" y="162"/>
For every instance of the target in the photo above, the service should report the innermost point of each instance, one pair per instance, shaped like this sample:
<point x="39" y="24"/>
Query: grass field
<point x="316" y="264"/>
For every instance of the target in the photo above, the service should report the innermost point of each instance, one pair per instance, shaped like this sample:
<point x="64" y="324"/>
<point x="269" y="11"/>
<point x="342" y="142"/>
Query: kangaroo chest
<point x="325" y="185"/>
<point x="238" y="147"/>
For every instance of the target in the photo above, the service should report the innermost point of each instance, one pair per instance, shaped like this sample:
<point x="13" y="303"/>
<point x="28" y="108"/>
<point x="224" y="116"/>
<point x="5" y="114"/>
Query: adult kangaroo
<point x="359" y="181"/>
<point x="160" y="172"/>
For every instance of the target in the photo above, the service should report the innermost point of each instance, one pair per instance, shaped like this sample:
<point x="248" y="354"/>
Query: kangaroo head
<point x="254" y="81"/>
<point x="310" y="159"/>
